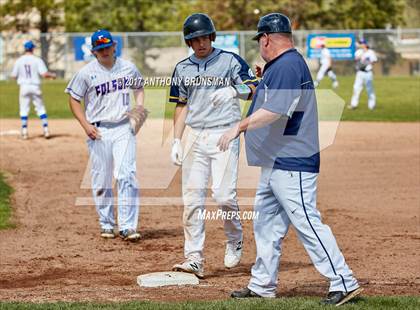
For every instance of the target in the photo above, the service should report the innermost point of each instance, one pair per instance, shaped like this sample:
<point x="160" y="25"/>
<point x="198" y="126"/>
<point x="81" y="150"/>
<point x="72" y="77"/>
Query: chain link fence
<point x="157" y="53"/>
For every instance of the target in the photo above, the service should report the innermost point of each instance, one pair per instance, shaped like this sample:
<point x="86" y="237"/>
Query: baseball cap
<point x="362" y="41"/>
<point x="29" y="45"/>
<point x="101" y="39"/>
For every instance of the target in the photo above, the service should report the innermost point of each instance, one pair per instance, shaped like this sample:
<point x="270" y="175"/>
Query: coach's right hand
<point x="176" y="153"/>
<point x="92" y="132"/>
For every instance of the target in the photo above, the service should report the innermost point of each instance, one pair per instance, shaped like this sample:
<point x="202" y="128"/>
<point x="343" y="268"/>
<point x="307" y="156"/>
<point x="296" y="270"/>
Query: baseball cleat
<point x="244" y="293"/>
<point x="350" y="107"/>
<point x="107" y="233"/>
<point x="129" y="235"/>
<point x="335" y="84"/>
<point x="46" y="133"/>
<point x="338" y="298"/>
<point x="190" y="267"/>
<point x="233" y="253"/>
<point x="24" y="133"/>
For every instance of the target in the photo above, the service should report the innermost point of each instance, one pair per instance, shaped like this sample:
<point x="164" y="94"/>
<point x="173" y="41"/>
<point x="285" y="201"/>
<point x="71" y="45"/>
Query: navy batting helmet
<point x="197" y="25"/>
<point x="273" y="23"/>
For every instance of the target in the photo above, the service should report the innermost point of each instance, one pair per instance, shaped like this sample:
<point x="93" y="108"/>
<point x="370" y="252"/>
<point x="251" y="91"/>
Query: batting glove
<point x="223" y="95"/>
<point x="176" y="153"/>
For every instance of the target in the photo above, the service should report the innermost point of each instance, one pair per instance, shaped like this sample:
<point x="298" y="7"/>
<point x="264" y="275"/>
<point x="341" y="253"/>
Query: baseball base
<point x="157" y="279"/>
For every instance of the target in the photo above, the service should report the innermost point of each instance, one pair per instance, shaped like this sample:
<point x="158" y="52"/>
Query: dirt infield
<point x="368" y="194"/>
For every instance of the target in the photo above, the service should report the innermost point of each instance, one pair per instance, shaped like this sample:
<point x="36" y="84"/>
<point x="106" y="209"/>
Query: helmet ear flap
<point x="213" y="36"/>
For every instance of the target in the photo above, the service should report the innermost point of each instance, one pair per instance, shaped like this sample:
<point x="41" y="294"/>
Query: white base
<point x="157" y="279"/>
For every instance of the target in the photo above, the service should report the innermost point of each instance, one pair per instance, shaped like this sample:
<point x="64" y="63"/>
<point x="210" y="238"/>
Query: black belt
<point x="109" y="124"/>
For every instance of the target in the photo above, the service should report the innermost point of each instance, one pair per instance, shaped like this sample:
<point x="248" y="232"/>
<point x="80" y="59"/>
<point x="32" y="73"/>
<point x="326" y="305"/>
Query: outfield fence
<point x="156" y="53"/>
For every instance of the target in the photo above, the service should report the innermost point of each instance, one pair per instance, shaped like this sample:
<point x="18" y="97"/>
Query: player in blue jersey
<point x="282" y="138"/>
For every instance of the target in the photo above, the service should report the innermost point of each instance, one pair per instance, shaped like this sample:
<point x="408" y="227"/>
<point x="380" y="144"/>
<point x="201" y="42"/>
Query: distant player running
<point x="325" y="66"/>
<point x="27" y="70"/>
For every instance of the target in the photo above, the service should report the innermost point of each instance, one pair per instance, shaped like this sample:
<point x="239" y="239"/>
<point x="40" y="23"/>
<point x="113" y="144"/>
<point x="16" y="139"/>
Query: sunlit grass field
<point x="398" y="100"/>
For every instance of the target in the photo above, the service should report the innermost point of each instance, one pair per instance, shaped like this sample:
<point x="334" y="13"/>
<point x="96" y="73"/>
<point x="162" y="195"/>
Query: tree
<point x="15" y="15"/>
<point x="363" y="14"/>
<point x="132" y="15"/>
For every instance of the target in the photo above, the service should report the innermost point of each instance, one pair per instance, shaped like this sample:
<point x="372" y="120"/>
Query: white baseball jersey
<point x="28" y="69"/>
<point x="366" y="57"/>
<point x="325" y="57"/>
<point x="105" y="92"/>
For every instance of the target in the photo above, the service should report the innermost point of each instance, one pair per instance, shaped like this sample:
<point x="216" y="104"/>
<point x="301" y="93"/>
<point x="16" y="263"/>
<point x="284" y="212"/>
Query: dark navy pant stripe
<point x="310" y="224"/>
<point x="344" y="284"/>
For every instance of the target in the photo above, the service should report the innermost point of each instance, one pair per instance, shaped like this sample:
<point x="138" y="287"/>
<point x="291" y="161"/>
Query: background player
<point x="208" y="122"/>
<point x="104" y="86"/>
<point x="365" y="57"/>
<point x="325" y="66"/>
<point x="27" y="70"/>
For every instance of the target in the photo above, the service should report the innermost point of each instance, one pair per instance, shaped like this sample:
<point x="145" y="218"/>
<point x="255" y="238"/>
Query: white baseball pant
<point x="202" y="160"/>
<point x="363" y="78"/>
<point x="115" y="155"/>
<point x="284" y="198"/>
<point x="28" y="93"/>
<point x="321" y="73"/>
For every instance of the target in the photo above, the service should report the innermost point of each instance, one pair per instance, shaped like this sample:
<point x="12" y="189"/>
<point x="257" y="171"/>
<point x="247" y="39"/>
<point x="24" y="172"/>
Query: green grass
<point x="278" y="303"/>
<point x="398" y="99"/>
<point x="5" y="210"/>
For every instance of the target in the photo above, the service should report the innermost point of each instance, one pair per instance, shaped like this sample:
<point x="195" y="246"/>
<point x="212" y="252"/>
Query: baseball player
<point x="27" y="70"/>
<point x="201" y="158"/>
<point x="365" y="57"/>
<point x="282" y="138"/>
<point x="105" y="84"/>
<point x="325" y="66"/>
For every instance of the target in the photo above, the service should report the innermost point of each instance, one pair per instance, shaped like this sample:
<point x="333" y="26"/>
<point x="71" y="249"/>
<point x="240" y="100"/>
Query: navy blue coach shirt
<point x="291" y="142"/>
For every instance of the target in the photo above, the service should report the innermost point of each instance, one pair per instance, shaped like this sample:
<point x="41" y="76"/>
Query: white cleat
<point x="46" y="133"/>
<point x="190" y="267"/>
<point x="233" y="254"/>
<point x="24" y="133"/>
<point x="335" y="84"/>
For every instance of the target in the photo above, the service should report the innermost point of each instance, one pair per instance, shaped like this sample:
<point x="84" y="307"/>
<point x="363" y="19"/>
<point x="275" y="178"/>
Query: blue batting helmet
<point x="273" y="23"/>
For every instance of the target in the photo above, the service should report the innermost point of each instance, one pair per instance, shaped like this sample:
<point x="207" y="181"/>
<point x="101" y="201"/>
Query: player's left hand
<point x="222" y="95"/>
<point x="137" y="117"/>
<point x="227" y="137"/>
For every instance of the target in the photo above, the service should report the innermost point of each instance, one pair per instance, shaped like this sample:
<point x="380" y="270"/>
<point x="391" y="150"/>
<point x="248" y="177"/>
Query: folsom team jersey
<point x="28" y="69"/>
<point x="365" y="58"/>
<point x="219" y="69"/>
<point x="105" y="92"/>
<point x="291" y="143"/>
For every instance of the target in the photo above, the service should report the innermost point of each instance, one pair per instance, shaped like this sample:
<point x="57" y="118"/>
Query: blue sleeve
<point x="178" y="91"/>
<point x="241" y="72"/>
